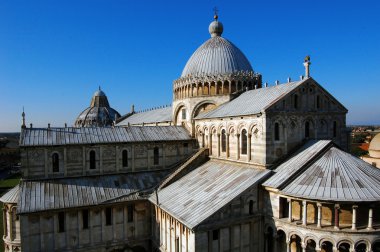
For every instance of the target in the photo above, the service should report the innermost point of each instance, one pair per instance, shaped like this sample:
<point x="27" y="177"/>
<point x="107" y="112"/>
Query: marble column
<point x="319" y="205"/>
<point x="218" y="135"/>
<point x="304" y="213"/>
<point x="370" y="219"/>
<point x="290" y="210"/>
<point x="354" y="209"/>
<point x="227" y="145"/>
<point x="249" y="146"/>
<point x="336" y="215"/>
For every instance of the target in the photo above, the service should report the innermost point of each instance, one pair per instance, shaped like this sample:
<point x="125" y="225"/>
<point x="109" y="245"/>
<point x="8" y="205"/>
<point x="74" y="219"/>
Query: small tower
<point x="307" y="64"/>
<point x="23" y="126"/>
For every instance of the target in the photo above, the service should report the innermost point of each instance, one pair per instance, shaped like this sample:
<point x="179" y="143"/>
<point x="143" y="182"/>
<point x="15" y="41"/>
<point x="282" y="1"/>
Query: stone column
<point x="319" y="205"/>
<point x="227" y="145"/>
<point x="196" y="86"/>
<point x="249" y="146"/>
<point x="290" y="210"/>
<point x="218" y="144"/>
<point x="354" y="207"/>
<point x="287" y="246"/>
<point x="238" y="146"/>
<point x="210" y="143"/>
<point x="370" y="219"/>
<point x="336" y="215"/>
<point x="303" y="245"/>
<point x="229" y="87"/>
<point x="304" y="213"/>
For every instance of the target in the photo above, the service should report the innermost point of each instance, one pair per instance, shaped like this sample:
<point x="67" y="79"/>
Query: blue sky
<point x="55" y="54"/>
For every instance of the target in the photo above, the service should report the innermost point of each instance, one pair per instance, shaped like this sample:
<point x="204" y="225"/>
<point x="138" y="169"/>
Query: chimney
<point x="307" y="64"/>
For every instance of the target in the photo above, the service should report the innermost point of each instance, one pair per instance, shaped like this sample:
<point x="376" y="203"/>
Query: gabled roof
<point x="330" y="175"/>
<point x="151" y="116"/>
<point x="253" y="101"/>
<point x="44" y="195"/>
<point x="202" y="192"/>
<point x="97" y="135"/>
<point x="11" y="196"/>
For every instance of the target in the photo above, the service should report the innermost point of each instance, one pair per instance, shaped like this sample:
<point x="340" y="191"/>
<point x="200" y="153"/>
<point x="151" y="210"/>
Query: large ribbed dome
<point x="374" y="147"/>
<point x="216" y="56"/>
<point x="99" y="114"/>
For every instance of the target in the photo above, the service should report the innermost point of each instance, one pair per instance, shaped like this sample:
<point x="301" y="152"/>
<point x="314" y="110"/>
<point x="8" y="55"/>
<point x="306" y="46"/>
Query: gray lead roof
<point x="252" y="102"/>
<point x="202" y="192"/>
<point x="11" y="196"/>
<point x="321" y="171"/>
<point x="98" y="135"/>
<point x="44" y="195"/>
<point x="151" y="116"/>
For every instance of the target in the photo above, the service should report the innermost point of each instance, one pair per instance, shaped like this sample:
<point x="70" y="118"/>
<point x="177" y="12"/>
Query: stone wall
<point x="43" y="231"/>
<point x="74" y="161"/>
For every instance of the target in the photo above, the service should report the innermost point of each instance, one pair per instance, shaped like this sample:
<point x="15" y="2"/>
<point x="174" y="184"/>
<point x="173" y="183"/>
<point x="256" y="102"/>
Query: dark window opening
<point x="61" y="222"/>
<point x="176" y="244"/>
<point x="334" y="129"/>
<point x="130" y="213"/>
<point x="85" y="218"/>
<point x="318" y="102"/>
<point x="108" y="216"/>
<point x="55" y="162"/>
<point x="307" y="129"/>
<point x="244" y="141"/>
<point x="92" y="160"/>
<point x="185" y="145"/>
<point x="295" y="101"/>
<point x="224" y="141"/>
<point x="155" y="156"/>
<point x="215" y="235"/>
<point x="276" y="132"/>
<point x="251" y="207"/>
<point x="183" y="114"/>
<point x="125" y="158"/>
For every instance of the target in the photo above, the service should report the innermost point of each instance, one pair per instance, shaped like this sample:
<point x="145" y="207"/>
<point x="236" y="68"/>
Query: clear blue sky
<point x="55" y="54"/>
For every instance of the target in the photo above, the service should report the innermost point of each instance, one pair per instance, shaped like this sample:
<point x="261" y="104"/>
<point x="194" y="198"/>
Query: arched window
<point x="244" y="140"/>
<point x="318" y="102"/>
<point x="224" y="140"/>
<point x="276" y="132"/>
<point x="251" y="207"/>
<point x="295" y="101"/>
<point x="92" y="160"/>
<point x="125" y="158"/>
<point x="155" y="156"/>
<point x="55" y="162"/>
<point x="334" y="129"/>
<point x="307" y="129"/>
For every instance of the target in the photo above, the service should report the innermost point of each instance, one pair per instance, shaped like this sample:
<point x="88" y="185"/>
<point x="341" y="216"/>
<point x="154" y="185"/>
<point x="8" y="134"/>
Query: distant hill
<point x="10" y="140"/>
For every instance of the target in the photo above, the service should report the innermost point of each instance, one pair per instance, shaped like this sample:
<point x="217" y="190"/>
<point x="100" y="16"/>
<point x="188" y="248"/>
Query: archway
<point x="344" y="247"/>
<point x="361" y="247"/>
<point x="203" y="107"/>
<point x="326" y="246"/>
<point x="376" y="246"/>
<point x="310" y="246"/>
<point x="281" y="241"/>
<point x="295" y="244"/>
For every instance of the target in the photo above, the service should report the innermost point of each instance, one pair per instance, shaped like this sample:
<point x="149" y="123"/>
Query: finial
<point x="99" y="88"/>
<point x="23" y="118"/>
<point x="215" y="13"/>
<point x="307" y="64"/>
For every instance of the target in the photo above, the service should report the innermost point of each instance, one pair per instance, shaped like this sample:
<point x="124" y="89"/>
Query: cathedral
<point x="233" y="164"/>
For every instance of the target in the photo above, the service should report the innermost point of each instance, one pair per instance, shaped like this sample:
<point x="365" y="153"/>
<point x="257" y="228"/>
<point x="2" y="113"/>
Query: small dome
<point x="99" y="114"/>
<point x="216" y="56"/>
<point x="374" y="147"/>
